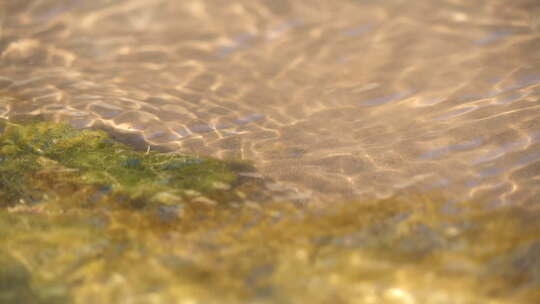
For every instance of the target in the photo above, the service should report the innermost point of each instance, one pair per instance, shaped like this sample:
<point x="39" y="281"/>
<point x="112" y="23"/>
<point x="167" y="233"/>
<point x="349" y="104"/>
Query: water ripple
<point x="334" y="99"/>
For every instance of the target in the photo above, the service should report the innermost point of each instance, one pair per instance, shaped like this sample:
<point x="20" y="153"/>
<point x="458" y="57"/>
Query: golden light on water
<point x="395" y="148"/>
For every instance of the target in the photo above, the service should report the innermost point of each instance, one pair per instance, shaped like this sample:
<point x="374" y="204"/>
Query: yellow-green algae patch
<point x="39" y="160"/>
<point x="64" y="244"/>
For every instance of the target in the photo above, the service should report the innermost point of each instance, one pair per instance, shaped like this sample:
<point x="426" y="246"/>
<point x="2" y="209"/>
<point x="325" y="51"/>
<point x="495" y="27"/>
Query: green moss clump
<point x="39" y="160"/>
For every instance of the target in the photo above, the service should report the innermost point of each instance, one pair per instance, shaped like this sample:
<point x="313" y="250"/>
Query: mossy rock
<point x="41" y="160"/>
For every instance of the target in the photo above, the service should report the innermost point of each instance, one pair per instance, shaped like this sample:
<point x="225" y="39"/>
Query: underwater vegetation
<point x="85" y="219"/>
<point x="39" y="160"/>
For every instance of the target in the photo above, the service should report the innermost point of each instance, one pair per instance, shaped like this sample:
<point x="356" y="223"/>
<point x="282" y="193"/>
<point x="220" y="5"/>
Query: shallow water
<point x="334" y="98"/>
<point x="333" y="101"/>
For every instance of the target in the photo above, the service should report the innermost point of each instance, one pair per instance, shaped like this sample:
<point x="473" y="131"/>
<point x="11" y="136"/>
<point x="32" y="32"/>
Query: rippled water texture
<point x="337" y="99"/>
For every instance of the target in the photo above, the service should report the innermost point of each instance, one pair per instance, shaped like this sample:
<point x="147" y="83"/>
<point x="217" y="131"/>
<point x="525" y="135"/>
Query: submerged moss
<point x="39" y="160"/>
<point x="64" y="239"/>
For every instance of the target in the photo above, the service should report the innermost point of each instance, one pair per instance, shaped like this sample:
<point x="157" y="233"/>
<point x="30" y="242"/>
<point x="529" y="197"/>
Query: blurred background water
<point x="334" y="99"/>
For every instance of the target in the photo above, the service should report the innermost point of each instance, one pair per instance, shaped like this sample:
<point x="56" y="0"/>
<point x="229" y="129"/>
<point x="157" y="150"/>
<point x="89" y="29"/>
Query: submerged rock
<point x="84" y="219"/>
<point x="41" y="161"/>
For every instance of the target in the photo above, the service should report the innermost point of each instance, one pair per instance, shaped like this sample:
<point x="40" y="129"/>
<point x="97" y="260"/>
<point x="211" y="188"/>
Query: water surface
<point x="334" y="101"/>
<point x="333" y="98"/>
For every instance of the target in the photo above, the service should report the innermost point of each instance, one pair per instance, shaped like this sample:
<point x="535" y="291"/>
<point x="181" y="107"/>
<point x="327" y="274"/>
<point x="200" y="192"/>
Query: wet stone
<point x="55" y="159"/>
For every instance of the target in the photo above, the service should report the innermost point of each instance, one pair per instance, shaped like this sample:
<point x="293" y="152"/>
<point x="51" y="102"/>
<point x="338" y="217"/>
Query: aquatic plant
<point x="77" y="227"/>
<point x="39" y="160"/>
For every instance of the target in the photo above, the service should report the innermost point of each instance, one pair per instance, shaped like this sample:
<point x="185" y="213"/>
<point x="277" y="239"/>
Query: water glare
<point x="332" y="102"/>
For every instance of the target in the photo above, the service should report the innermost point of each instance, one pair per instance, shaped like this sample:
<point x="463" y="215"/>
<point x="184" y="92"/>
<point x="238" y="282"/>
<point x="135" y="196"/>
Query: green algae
<point x="41" y="159"/>
<point x="120" y="226"/>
